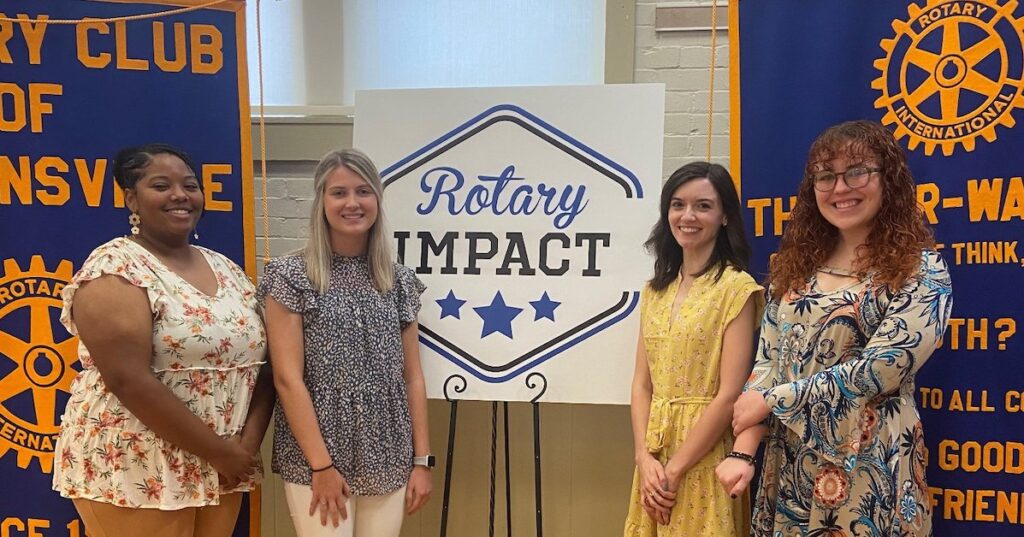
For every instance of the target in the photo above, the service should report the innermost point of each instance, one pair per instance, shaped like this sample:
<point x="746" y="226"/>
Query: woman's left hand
<point x="673" y="476"/>
<point x="417" y="491"/>
<point x="749" y="410"/>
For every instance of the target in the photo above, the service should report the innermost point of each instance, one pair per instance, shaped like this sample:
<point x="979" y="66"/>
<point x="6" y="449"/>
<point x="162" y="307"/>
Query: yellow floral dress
<point x="206" y="349"/>
<point x="684" y="355"/>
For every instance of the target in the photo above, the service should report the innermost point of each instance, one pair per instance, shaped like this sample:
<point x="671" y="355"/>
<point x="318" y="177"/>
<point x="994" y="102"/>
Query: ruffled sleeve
<point x="912" y="327"/>
<point x="286" y="281"/>
<point x="116" y="258"/>
<point x="408" y="289"/>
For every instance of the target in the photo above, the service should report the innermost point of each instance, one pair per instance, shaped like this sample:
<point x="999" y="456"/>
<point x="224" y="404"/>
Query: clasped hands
<point x="658" y="485"/>
<point x="237" y="461"/>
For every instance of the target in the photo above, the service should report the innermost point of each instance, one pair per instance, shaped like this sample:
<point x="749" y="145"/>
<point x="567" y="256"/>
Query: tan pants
<point x="106" y="520"/>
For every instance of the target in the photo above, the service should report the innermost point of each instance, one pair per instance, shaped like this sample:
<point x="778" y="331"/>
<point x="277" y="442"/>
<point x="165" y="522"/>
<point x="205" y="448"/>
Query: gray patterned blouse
<point x="353" y="369"/>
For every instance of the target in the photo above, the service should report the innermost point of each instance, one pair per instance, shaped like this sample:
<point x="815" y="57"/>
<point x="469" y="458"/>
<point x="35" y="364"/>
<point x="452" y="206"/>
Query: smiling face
<point x="695" y="215"/>
<point x="851" y="210"/>
<point x="350" y="205"/>
<point x="167" y="198"/>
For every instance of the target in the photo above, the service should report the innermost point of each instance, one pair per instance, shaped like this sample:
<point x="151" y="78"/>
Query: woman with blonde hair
<point x="350" y="438"/>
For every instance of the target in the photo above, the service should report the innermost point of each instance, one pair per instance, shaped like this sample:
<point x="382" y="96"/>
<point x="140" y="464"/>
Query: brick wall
<point x="289" y="196"/>
<point x="681" y="61"/>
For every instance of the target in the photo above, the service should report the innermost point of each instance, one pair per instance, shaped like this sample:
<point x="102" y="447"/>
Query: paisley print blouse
<point x="845" y="448"/>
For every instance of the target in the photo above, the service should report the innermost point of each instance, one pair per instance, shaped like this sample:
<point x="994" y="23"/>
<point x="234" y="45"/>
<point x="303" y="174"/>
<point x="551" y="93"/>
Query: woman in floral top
<point x="162" y="432"/>
<point x="350" y="435"/>
<point x="860" y="299"/>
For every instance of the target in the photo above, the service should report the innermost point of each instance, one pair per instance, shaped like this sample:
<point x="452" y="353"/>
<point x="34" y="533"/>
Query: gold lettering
<point x="33" y="36"/>
<point x="160" y="54"/>
<point x="20" y="180"/>
<point x="43" y="176"/>
<point x="121" y="47"/>
<point x="207" y="55"/>
<point x="85" y="57"/>
<point x="211" y="186"/>
<point x="37" y="106"/>
<point x="92" y="183"/>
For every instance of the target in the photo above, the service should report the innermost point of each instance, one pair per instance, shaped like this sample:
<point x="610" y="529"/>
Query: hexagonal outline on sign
<point x="630" y="184"/>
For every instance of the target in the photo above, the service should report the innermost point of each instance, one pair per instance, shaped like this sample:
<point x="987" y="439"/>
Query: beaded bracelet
<point x="328" y="467"/>
<point x="741" y="456"/>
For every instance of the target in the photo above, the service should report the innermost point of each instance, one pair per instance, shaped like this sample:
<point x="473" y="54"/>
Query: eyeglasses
<point x="856" y="177"/>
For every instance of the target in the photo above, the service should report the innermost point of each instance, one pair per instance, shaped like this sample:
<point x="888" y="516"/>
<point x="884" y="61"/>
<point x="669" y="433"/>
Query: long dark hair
<point x="731" y="246"/>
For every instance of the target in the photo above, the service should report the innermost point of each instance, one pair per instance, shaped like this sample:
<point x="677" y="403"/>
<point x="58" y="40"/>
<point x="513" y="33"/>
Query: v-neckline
<point x="675" y="312"/>
<point x="206" y="258"/>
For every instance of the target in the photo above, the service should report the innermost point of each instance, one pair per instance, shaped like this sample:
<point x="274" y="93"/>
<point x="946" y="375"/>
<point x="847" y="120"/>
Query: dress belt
<point x="657" y="425"/>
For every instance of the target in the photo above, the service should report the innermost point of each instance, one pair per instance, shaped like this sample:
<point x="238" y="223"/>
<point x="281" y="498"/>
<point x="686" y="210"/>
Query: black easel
<point x="457" y="384"/>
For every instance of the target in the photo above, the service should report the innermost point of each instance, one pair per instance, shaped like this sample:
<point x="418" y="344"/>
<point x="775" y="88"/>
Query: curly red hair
<point x="893" y="248"/>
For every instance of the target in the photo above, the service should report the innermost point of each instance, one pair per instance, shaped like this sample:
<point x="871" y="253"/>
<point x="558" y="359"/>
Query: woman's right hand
<point x="330" y="494"/>
<point x="234" y="463"/>
<point x="655" y="498"/>
<point x="734" y="474"/>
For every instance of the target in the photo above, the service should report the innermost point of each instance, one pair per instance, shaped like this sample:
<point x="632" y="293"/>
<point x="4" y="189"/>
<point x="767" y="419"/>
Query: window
<point x="317" y="54"/>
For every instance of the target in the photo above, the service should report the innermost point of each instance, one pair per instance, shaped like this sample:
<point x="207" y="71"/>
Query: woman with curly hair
<point x="859" y="299"/>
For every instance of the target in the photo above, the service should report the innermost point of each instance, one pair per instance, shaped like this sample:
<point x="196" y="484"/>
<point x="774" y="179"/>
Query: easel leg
<point x="453" y="412"/>
<point x="508" y="481"/>
<point x="536" y="466"/>
<point x="494" y="448"/>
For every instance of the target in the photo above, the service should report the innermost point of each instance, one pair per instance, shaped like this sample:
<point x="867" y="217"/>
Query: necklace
<point x="835" y="271"/>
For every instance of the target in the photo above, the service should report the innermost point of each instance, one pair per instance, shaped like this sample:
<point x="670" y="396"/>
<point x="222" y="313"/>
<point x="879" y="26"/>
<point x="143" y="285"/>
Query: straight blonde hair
<point x="317" y="251"/>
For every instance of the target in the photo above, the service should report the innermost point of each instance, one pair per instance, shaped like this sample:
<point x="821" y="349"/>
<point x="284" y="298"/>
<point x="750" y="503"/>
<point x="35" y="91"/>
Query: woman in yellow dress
<point x="694" y="353"/>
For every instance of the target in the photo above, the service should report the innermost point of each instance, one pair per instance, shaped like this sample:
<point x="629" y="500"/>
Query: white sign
<point x="524" y="210"/>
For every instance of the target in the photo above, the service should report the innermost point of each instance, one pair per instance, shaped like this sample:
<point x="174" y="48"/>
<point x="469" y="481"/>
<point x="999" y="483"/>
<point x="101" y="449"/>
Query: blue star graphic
<point x="544" y="308"/>
<point x="450" y="305"/>
<point x="497" y="316"/>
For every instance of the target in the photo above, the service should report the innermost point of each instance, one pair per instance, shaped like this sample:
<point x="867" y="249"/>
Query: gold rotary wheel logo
<point x="952" y="73"/>
<point x="35" y="363"/>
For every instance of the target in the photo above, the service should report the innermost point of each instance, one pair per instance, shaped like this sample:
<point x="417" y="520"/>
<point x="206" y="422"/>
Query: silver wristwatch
<point x="426" y="460"/>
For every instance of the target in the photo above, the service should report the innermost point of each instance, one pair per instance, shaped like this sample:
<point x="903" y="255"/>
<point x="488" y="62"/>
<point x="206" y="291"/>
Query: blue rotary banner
<point x="946" y="77"/>
<point x="71" y="95"/>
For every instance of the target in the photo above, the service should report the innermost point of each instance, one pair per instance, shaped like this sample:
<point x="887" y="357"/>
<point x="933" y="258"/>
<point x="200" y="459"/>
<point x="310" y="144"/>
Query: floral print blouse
<point x="845" y="447"/>
<point x="206" y="349"/>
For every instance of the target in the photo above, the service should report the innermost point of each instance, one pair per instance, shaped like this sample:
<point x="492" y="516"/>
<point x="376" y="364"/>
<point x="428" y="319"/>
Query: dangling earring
<point x="195" y="233"/>
<point x="134" y="221"/>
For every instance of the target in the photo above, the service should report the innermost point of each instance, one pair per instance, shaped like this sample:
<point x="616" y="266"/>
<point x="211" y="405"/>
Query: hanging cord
<point x="263" y="140"/>
<point x="711" y="85"/>
<point x="46" y="20"/>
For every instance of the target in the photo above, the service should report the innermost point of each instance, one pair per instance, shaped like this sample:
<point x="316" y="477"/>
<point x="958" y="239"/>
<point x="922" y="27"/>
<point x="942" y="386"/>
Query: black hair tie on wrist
<point x="741" y="456"/>
<point x="328" y="467"/>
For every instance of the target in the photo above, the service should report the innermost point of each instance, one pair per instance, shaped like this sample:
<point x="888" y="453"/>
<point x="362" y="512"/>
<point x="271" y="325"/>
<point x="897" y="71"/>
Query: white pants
<point x="368" y="516"/>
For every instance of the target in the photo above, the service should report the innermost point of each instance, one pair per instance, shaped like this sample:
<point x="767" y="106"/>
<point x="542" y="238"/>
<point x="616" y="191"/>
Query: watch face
<point x="430" y="461"/>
